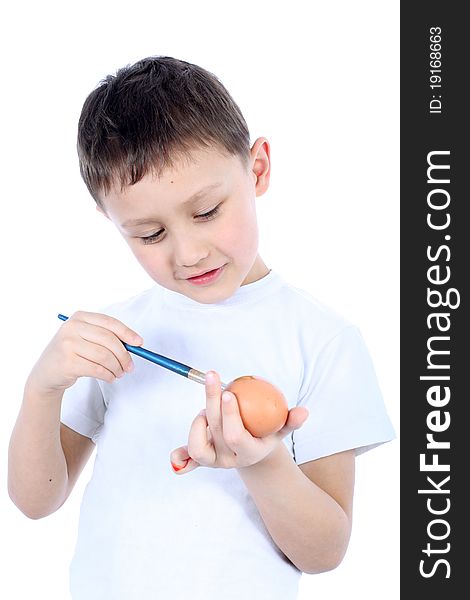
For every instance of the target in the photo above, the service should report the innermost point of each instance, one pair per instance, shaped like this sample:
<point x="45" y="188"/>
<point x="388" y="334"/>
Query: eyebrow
<point x="195" y="196"/>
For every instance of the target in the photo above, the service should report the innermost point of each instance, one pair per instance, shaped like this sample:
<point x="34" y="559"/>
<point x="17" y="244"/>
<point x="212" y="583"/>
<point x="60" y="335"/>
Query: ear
<point x="261" y="165"/>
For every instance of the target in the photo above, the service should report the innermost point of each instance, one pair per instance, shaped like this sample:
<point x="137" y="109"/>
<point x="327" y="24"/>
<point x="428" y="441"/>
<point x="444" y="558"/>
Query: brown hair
<point x="150" y="113"/>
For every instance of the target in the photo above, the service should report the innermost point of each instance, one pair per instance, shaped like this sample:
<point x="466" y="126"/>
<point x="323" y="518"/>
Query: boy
<point x="165" y="153"/>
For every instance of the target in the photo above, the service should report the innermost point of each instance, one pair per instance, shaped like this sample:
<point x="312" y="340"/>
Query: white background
<point x="320" y="81"/>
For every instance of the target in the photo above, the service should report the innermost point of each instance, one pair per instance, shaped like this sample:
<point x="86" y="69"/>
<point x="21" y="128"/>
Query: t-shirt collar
<point x="243" y="295"/>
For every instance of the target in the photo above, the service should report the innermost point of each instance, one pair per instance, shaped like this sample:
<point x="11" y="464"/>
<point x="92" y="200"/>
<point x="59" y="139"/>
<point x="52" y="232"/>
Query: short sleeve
<point x="346" y="408"/>
<point x="83" y="407"/>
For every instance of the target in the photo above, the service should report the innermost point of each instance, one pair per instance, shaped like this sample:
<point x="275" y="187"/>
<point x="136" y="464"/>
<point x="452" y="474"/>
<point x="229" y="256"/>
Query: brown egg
<point x="263" y="408"/>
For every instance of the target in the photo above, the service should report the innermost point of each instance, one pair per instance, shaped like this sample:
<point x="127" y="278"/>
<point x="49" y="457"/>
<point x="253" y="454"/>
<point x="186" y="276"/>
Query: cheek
<point x="147" y="256"/>
<point x="137" y="249"/>
<point x="242" y="235"/>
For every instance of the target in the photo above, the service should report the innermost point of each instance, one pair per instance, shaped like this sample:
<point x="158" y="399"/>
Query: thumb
<point x="296" y="418"/>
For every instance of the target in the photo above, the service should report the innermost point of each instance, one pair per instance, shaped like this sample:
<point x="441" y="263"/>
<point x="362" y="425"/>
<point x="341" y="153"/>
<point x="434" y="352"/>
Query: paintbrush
<point x="163" y="361"/>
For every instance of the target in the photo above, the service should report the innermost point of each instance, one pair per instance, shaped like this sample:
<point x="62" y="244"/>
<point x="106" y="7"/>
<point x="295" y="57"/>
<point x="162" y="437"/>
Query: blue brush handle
<point x="163" y="361"/>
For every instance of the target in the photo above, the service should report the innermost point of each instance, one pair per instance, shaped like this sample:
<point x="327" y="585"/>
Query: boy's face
<point x="176" y="235"/>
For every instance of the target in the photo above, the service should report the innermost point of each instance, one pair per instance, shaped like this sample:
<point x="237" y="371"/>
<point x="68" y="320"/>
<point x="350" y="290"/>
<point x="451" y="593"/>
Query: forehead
<point x="192" y="177"/>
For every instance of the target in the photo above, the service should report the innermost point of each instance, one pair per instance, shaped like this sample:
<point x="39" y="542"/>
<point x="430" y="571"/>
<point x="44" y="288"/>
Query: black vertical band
<point x="435" y="332"/>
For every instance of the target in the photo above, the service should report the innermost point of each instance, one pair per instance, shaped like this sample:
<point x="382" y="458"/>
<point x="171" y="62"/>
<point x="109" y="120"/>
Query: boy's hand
<point x="86" y="345"/>
<point x="217" y="437"/>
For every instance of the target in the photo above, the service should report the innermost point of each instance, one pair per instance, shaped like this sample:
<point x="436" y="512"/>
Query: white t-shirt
<point x="146" y="533"/>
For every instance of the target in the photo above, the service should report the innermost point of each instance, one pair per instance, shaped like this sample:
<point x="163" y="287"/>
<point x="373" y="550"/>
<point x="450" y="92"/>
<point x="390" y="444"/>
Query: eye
<point x="210" y="214"/>
<point x="151" y="239"/>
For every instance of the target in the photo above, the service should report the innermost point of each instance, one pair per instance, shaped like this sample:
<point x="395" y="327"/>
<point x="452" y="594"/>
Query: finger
<point x="199" y="447"/>
<point x="86" y="368"/>
<point x="213" y="410"/>
<point x="124" y="333"/>
<point x="234" y="431"/>
<point x="295" y="419"/>
<point x="106" y="339"/>
<point x="181" y="462"/>
<point x="99" y="355"/>
<point x="103" y="337"/>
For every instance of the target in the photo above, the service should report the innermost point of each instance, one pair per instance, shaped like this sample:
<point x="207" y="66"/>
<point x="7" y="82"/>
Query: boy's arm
<point x="308" y="509"/>
<point x="37" y="468"/>
<point x="45" y="457"/>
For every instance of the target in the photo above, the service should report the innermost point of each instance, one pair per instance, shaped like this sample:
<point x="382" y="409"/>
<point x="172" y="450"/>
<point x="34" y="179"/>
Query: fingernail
<point x="210" y="377"/>
<point x="226" y="396"/>
<point x="177" y="468"/>
<point x="202" y="413"/>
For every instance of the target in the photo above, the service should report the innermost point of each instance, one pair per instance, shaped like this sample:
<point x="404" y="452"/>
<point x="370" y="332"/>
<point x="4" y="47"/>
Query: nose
<point x="189" y="250"/>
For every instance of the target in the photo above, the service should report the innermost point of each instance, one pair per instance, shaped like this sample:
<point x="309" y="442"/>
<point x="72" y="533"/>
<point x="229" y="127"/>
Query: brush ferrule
<point x="200" y="377"/>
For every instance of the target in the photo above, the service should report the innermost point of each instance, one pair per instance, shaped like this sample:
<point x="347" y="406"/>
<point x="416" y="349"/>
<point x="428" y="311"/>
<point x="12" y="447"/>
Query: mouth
<point x="206" y="276"/>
